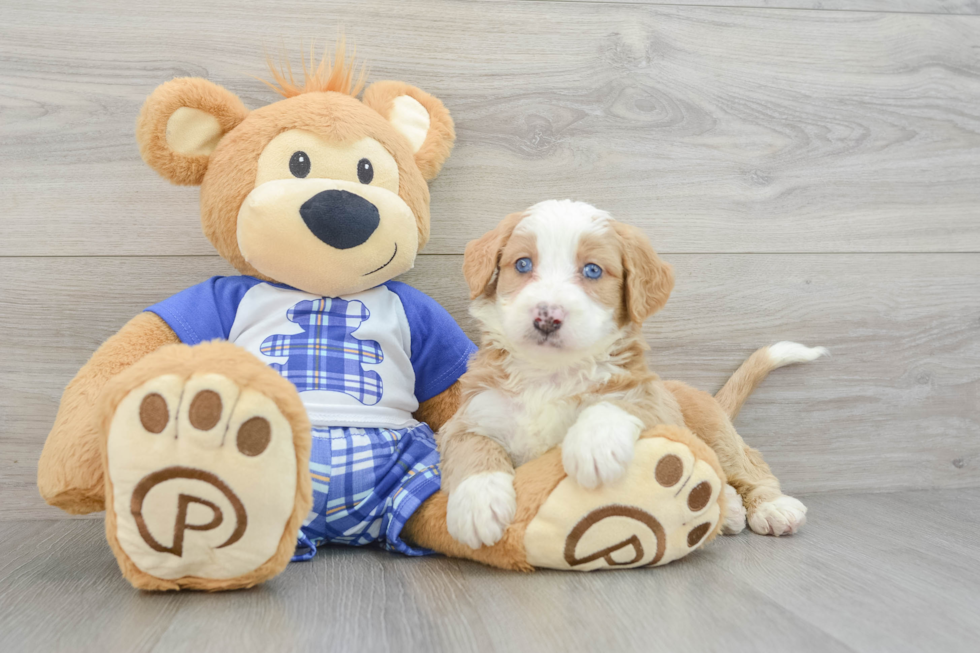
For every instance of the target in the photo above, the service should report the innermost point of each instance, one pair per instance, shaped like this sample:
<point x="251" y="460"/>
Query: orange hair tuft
<point x="336" y="75"/>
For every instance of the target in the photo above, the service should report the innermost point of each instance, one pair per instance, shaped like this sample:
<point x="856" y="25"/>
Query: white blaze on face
<point x="556" y="282"/>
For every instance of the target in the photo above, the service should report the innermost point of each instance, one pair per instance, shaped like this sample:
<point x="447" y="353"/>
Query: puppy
<point x="561" y="292"/>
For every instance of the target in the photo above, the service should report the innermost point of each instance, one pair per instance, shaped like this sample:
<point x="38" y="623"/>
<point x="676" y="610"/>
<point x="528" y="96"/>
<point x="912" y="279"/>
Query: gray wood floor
<point x="870" y="572"/>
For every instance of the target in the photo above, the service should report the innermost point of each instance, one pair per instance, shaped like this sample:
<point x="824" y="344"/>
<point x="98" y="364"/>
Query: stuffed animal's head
<point x="319" y="191"/>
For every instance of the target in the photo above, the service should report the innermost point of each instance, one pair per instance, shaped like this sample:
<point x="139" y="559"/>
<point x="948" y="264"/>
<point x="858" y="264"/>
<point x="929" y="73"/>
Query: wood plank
<point x="61" y="590"/>
<point x="719" y="129"/>
<point x="881" y="572"/>
<point x="349" y="599"/>
<point x="967" y="7"/>
<point x="896" y="407"/>
<point x="397" y="604"/>
<point x="872" y="570"/>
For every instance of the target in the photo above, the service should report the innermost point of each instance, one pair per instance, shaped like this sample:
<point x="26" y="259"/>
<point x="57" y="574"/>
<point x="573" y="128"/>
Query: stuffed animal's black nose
<point x="340" y="219"/>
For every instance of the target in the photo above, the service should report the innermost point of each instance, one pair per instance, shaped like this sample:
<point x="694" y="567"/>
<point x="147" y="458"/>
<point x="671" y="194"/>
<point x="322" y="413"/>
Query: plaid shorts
<point x="367" y="482"/>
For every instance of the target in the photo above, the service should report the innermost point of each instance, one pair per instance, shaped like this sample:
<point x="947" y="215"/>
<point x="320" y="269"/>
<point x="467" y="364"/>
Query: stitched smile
<point x="393" y="254"/>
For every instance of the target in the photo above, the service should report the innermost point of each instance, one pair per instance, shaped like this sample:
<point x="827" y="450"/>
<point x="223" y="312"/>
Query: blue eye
<point x="592" y="271"/>
<point x="523" y="265"/>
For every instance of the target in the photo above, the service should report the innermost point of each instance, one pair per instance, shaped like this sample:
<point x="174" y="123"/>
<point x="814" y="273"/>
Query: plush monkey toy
<point x="249" y="419"/>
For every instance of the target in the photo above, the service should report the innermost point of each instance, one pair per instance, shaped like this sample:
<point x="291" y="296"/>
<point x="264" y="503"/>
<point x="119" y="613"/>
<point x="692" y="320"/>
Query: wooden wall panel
<point x="895" y="407"/>
<point x="966" y="7"/>
<point x="719" y="129"/>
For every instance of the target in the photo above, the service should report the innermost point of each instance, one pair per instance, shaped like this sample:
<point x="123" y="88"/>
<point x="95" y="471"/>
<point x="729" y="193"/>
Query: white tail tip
<point x="787" y="353"/>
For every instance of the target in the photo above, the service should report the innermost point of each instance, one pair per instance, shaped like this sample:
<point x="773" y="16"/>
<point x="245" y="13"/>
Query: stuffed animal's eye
<point x="299" y="164"/>
<point x="523" y="265"/>
<point x="592" y="271"/>
<point x="365" y="171"/>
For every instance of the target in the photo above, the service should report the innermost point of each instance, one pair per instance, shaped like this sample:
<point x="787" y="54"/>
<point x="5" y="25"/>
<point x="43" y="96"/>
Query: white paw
<point x="734" y="518"/>
<point x="481" y="508"/>
<point x="782" y="516"/>
<point x="599" y="446"/>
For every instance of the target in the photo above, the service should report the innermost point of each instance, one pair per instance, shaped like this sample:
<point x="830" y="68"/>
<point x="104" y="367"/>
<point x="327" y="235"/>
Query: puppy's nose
<point x="547" y="318"/>
<point x="339" y="218"/>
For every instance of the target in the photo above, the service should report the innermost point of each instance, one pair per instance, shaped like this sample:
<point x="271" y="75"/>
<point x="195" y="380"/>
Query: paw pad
<point x="254" y="436"/>
<point x="663" y="509"/>
<point x="203" y="476"/>
<point x="697" y="534"/>
<point x="153" y="413"/>
<point x="699" y="496"/>
<point x="669" y="471"/>
<point x="205" y="410"/>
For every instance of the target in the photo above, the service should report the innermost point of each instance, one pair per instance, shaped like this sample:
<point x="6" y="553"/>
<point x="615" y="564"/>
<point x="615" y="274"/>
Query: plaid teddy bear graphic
<point x="326" y="356"/>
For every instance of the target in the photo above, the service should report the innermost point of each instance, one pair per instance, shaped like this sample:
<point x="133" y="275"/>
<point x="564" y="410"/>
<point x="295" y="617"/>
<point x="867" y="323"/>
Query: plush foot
<point x="733" y="522"/>
<point x="665" y="506"/>
<point x="206" y="475"/>
<point x="783" y="515"/>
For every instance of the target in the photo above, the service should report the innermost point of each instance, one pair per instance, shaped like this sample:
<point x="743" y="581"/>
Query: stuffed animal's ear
<point x="420" y="118"/>
<point x="180" y="125"/>
<point x="482" y="256"/>
<point x="648" y="280"/>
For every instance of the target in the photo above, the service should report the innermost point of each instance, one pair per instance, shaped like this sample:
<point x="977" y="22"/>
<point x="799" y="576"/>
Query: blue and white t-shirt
<point x="366" y="359"/>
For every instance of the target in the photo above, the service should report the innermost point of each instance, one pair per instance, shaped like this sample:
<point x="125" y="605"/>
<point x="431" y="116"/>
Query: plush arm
<point x="69" y="474"/>
<point x="436" y="411"/>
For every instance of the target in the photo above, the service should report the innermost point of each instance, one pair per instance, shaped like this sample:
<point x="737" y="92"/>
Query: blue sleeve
<point x="205" y="311"/>
<point x="440" y="349"/>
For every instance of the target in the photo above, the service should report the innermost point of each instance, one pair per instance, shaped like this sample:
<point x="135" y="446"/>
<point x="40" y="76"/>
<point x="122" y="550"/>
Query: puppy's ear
<point x="180" y="125"/>
<point x="647" y="280"/>
<point x="419" y="117"/>
<point x="482" y="256"/>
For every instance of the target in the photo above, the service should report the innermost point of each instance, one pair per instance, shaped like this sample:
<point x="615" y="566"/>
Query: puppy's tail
<point x="757" y="367"/>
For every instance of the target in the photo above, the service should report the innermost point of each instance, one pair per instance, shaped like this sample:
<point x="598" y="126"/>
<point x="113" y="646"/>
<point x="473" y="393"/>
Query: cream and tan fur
<point x="562" y="362"/>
